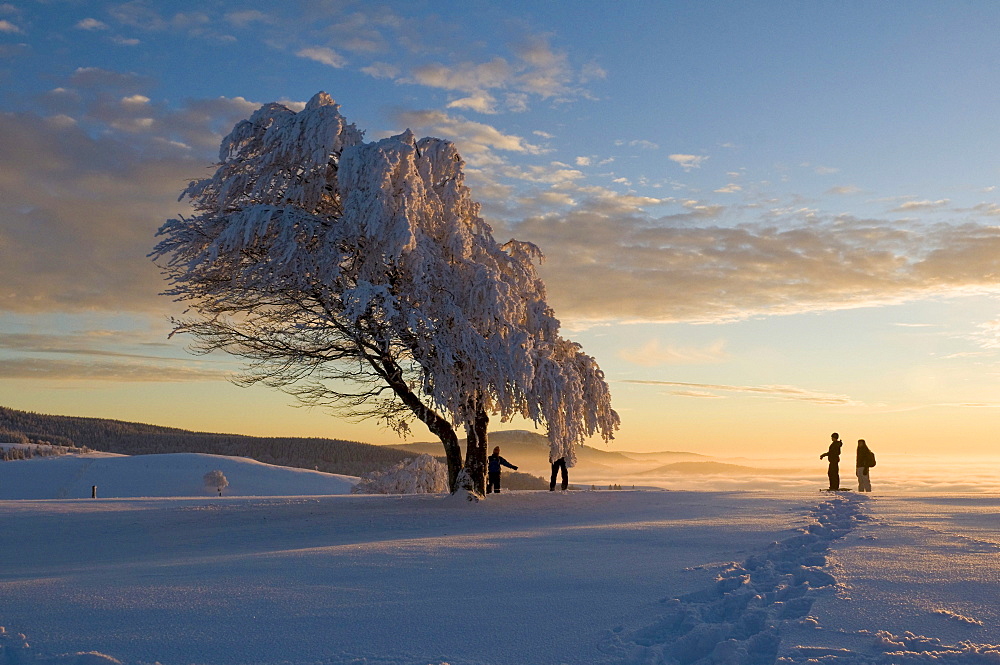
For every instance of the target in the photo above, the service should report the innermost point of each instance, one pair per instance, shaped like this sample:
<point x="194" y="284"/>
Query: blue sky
<point x="768" y="221"/>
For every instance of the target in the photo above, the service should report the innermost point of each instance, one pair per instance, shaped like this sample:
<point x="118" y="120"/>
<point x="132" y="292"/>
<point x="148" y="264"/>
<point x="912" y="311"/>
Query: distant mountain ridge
<point x="530" y="452"/>
<point x="350" y="458"/>
<point x="114" y="436"/>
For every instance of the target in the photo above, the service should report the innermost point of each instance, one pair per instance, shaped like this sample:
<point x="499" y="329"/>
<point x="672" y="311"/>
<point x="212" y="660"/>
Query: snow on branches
<point x="323" y="259"/>
<point x="421" y="475"/>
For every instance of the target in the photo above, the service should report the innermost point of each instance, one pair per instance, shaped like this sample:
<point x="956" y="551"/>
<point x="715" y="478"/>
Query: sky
<point x="767" y="221"/>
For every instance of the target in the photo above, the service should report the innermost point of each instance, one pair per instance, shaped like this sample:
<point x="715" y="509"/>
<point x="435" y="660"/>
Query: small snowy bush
<point x="423" y="475"/>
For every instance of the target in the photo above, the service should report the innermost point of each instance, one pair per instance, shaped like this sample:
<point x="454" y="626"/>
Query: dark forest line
<point x="350" y="458"/>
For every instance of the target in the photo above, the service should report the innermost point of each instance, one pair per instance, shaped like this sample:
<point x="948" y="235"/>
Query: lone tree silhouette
<point x="360" y="277"/>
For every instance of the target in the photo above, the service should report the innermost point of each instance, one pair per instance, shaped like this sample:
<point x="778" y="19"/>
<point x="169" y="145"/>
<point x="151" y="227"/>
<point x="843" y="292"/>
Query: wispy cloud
<point x="95" y="179"/>
<point x="46" y="369"/>
<point x="91" y="24"/>
<point x="844" y="190"/>
<point x="773" y="392"/>
<point x="687" y="265"/>
<point x="917" y="206"/>
<point x="987" y="335"/>
<point x="688" y="162"/>
<point x="475" y="140"/>
<point x="94" y="343"/>
<point x="654" y="353"/>
<point x="246" y="17"/>
<point x="102" y="355"/>
<point x="323" y="55"/>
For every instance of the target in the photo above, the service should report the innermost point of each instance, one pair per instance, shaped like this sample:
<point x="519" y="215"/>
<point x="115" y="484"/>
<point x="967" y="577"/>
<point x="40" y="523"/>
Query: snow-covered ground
<point x="177" y="475"/>
<point x="633" y="577"/>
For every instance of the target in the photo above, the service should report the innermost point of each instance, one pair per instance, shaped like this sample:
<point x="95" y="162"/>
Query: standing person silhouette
<point x="834" y="454"/>
<point x="494" y="462"/>
<point x="556" y="466"/>
<point x="865" y="461"/>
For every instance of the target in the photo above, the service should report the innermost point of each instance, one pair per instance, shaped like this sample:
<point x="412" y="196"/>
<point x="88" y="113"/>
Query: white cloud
<point x="583" y="161"/>
<point x="644" y="144"/>
<point x="988" y="209"/>
<point x="244" y="18"/>
<point x="911" y="206"/>
<point x="475" y="140"/>
<point x="688" y="162"/>
<point x="381" y="70"/>
<point x="592" y="71"/>
<point x="987" y="335"/>
<point x="466" y="76"/>
<point x="9" y="28"/>
<point x="90" y="24"/>
<point x="543" y="70"/>
<point x="607" y="264"/>
<point x="731" y="188"/>
<point x="482" y="102"/>
<point x="531" y="69"/>
<point x="844" y="190"/>
<point x="323" y="55"/>
<point x="61" y="121"/>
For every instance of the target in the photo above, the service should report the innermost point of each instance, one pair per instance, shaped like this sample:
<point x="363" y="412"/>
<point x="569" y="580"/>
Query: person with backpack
<point x="865" y="461"/>
<point x="494" y="462"/>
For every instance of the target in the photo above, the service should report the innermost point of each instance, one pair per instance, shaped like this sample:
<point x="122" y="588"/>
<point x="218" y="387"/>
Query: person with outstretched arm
<point x="834" y="454"/>
<point x="494" y="462"/>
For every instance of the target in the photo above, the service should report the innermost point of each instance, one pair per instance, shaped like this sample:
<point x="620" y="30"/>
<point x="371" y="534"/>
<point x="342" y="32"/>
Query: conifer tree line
<point x="76" y="434"/>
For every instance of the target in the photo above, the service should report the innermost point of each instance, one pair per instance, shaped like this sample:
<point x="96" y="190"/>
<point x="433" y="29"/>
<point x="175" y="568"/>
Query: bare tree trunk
<point x="438" y="426"/>
<point x="476" y="449"/>
<point x="453" y="455"/>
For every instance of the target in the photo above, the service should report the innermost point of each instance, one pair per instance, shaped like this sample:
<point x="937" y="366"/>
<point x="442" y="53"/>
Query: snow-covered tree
<point x="216" y="481"/>
<point x="421" y="475"/>
<point x="359" y="276"/>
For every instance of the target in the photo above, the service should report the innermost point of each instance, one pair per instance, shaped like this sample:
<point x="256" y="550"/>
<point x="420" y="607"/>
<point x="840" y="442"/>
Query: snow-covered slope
<point x="175" y="475"/>
<point x="534" y="577"/>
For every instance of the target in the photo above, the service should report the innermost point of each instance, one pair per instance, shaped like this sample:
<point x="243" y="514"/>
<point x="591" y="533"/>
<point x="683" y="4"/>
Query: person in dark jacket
<point x="834" y="454"/>
<point x="494" y="462"/>
<point x="865" y="461"/>
<point x="559" y="464"/>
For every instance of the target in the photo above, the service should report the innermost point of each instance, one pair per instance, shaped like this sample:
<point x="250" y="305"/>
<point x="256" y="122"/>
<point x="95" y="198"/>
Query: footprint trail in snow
<point x="739" y="620"/>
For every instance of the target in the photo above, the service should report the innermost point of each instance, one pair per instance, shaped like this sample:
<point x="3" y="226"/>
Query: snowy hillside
<point x="591" y="577"/>
<point x="174" y="475"/>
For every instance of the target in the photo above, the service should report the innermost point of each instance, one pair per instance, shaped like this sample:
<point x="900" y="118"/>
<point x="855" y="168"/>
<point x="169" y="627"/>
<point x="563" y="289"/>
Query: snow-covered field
<point x="177" y="475"/>
<point x="308" y="576"/>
